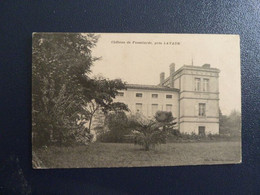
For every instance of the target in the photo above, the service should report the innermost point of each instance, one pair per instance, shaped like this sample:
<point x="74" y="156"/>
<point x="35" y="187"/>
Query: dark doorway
<point x="202" y="131"/>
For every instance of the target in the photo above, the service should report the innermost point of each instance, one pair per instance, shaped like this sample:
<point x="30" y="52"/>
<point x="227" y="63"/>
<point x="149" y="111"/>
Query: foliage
<point x="166" y="120"/>
<point x="103" y="91"/>
<point x="230" y="125"/>
<point x="36" y="162"/>
<point x="164" y="117"/>
<point x="60" y="63"/>
<point x="99" y="93"/>
<point x="64" y="98"/>
<point x="117" y="123"/>
<point x="149" y="133"/>
<point x="193" y="137"/>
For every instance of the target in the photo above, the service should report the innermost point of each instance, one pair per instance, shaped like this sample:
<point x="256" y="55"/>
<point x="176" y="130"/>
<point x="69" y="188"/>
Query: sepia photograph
<point x="103" y="100"/>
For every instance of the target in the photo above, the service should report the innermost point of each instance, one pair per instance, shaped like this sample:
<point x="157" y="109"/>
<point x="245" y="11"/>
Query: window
<point x="138" y="107"/>
<point x="139" y="95"/>
<point x="154" y="108"/>
<point x="168" y="107"/>
<point x="121" y="94"/>
<point x="154" y="95"/>
<point x="197" y="84"/>
<point x="205" y="84"/>
<point x="202" y="109"/>
<point x="202" y="131"/>
<point x="168" y="96"/>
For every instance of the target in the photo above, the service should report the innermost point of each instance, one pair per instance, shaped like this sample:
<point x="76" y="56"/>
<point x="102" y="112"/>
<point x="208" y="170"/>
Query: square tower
<point x="198" y="98"/>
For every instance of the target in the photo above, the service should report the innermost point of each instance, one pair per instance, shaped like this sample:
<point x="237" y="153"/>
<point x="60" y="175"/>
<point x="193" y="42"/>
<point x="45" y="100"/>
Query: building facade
<point x="191" y="93"/>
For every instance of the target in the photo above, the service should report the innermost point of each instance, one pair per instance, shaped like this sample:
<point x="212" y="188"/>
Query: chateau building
<point x="191" y="93"/>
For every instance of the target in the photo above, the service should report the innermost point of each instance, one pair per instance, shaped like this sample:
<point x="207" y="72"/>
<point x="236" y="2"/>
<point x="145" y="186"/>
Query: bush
<point x="109" y="137"/>
<point x="117" y="124"/>
<point x="185" y="137"/>
<point x="82" y="136"/>
<point x="149" y="133"/>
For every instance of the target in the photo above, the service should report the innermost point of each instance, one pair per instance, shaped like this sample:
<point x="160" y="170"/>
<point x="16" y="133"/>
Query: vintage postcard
<point x="135" y="100"/>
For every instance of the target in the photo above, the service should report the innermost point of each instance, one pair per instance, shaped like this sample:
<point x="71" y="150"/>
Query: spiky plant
<point x="151" y="132"/>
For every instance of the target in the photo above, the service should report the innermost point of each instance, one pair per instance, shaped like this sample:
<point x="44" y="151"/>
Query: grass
<point x="129" y="155"/>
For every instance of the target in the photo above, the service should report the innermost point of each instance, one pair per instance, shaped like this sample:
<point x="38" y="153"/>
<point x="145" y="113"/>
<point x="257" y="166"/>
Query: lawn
<point x="129" y="155"/>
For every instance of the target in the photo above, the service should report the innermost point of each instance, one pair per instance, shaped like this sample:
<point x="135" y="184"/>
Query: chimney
<point x="162" y="78"/>
<point x="206" y="66"/>
<point x="172" y="69"/>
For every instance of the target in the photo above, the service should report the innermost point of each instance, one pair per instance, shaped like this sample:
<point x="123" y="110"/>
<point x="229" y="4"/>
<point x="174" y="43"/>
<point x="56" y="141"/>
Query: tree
<point x="166" y="119"/>
<point x="234" y="123"/>
<point x="60" y="64"/>
<point x="231" y="124"/>
<point x="223" y="125"/>
<point x="117" y="123"/>
<point x="99" y="93"/>
<point x="64" y="98"/>
<point x="149" y="132"/>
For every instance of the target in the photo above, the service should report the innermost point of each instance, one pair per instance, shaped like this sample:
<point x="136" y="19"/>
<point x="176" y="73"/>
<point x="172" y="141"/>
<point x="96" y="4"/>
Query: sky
<point x="140" y="58"/>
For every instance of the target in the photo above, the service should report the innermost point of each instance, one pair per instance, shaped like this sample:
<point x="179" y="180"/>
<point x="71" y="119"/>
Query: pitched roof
<point x="151" y="87"/>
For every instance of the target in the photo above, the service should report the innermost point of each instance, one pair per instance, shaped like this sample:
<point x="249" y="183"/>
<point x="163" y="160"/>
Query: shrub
<point x="82" y="137"/>
<point x="149" y="132"/>
<point x="117" y="124"/>
<point x="185" y="137"/>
